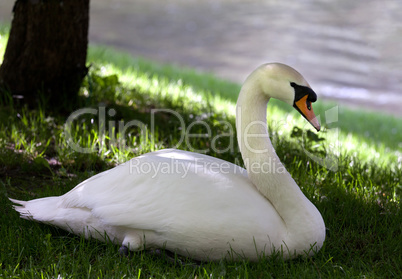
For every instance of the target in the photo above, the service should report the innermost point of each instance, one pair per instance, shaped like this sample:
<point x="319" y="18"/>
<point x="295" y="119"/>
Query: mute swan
<point x="197" y="205"/>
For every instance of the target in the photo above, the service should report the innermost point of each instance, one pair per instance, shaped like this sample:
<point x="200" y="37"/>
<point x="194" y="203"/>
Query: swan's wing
<point x="162" y="189"/>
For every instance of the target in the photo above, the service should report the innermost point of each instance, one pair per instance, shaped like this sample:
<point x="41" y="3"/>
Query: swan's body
<point x="197" y="205"/>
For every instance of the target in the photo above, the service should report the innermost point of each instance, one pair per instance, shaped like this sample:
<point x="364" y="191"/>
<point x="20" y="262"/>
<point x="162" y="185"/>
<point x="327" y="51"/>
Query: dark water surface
<point x="350" y="51"/>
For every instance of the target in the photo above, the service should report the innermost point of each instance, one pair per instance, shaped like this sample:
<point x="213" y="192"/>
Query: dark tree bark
<point x="46" y="52"/>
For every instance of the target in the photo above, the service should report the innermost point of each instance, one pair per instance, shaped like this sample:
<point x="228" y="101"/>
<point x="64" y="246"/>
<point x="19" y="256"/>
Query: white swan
<point x="197" y="205"/>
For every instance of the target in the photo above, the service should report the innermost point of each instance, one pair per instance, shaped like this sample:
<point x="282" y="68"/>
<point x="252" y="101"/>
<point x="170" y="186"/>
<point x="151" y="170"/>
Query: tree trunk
<point x="46" y="52"/>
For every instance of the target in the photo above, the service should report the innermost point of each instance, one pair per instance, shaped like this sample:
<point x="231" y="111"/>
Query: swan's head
<point x="282" y="82"/>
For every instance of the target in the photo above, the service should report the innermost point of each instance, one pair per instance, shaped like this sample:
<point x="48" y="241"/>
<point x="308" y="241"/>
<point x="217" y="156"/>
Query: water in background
<point x="349" y="51"/>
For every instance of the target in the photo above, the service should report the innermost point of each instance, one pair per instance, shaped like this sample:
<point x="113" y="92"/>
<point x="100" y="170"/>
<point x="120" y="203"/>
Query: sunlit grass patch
<point x="3" y="41"/>
<point x="371" y="135"/>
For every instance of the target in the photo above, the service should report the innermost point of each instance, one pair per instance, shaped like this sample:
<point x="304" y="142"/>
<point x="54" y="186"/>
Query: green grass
<point x="378" y="134"/>
<point x="360" y="202"/>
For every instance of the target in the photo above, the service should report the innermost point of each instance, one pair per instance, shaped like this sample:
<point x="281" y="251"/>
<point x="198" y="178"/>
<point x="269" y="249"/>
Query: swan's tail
<point x="78" y="220"/>
<point x="41" y="210"/>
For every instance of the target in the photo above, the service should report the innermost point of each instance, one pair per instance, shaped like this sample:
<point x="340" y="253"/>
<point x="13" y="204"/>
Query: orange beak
<point x="305" y="109"/>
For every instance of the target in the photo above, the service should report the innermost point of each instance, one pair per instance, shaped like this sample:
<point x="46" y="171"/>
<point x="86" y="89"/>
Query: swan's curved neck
<point x="264" y="168"/>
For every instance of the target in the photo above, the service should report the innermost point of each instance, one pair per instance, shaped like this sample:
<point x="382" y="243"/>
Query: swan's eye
<point x="301" y="91"/>
<point x="312" y="97"/>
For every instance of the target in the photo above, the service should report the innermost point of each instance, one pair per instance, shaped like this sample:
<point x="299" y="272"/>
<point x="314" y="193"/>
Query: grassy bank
<point x="359" y="201"/>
